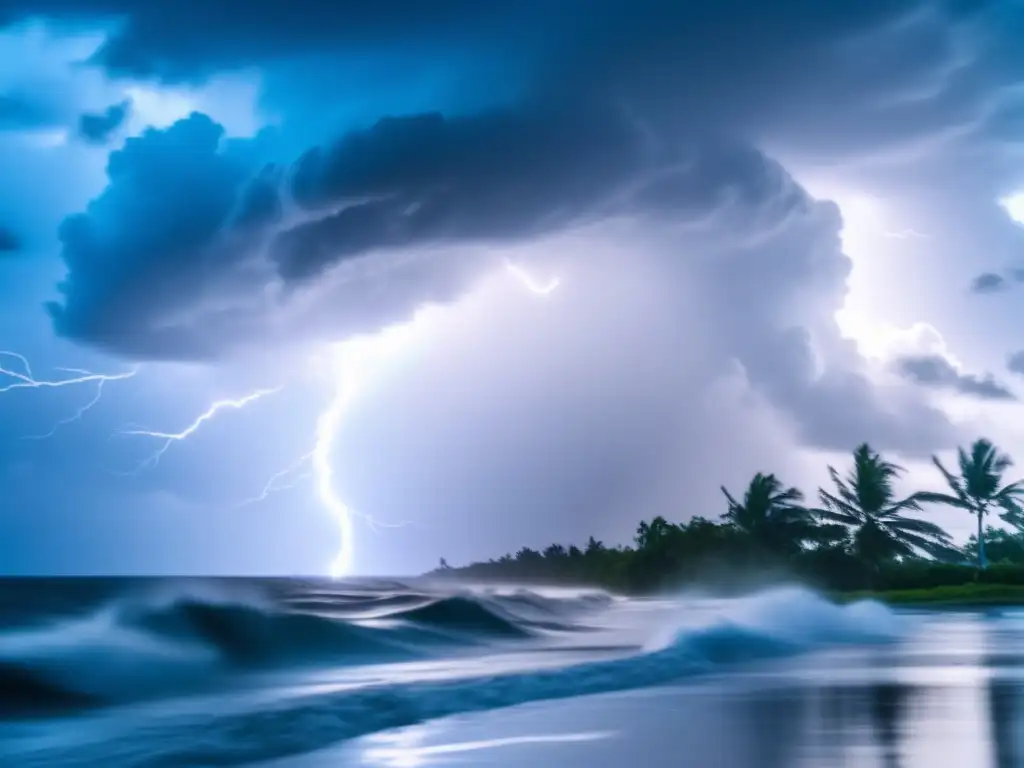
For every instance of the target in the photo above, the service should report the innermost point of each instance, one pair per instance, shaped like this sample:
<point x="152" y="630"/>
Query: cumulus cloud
<point x="385" y="229"/>
<point x="391" y="204"/>
<point x="938" y="371"/>
<point x="596" y="130"/>
<point x="98" y="128"/>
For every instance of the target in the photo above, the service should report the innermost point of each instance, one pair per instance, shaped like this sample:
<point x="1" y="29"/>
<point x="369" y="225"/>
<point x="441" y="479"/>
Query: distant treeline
<point x="860" y="536"/>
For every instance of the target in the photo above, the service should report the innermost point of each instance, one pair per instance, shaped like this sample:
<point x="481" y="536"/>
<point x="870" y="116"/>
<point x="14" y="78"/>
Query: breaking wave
<point x="228" y="637"/>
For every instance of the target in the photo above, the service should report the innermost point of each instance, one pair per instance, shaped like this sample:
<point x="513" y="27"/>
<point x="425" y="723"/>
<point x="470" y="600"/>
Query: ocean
<point x="406" y="673"/>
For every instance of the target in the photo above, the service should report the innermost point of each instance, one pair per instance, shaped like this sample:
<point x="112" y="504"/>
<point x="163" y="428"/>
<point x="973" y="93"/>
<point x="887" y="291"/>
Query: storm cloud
<point x="200" y="245"/>
<point x="598" y="130"/>
<point x="937" y="371"/>
<point x="98" y="128"/>
<point x="181" y="40"/>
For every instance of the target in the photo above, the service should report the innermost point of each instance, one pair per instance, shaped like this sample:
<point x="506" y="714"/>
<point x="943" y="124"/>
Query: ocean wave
<point x="167" y="642"/>
<point x="774" y="624"/>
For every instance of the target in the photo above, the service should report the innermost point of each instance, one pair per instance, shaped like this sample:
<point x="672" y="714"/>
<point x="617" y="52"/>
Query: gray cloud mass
<point x="363" y="231"/>
<point x="937" y="371"/>
<point x="98" y="128"/>
<point x="989" y="282"/>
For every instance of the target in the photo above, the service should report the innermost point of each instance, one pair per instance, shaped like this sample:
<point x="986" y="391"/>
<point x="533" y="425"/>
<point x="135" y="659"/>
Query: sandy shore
<point x="763" y="723"/>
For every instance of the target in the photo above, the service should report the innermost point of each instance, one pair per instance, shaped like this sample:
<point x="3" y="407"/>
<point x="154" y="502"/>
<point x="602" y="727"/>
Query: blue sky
<point x="777" y="232"/>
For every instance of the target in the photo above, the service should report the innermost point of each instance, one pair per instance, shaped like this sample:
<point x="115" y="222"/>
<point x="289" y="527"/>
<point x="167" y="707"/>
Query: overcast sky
<point x="777" y="230"/>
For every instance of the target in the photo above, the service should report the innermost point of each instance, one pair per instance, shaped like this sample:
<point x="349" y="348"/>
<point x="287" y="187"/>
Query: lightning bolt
<point x="527" y="281"/>
<point x="26" y="379"/>
<point x="170" y="438"/>
<point x="287" y="478"/>
<point x="353" y="362"/>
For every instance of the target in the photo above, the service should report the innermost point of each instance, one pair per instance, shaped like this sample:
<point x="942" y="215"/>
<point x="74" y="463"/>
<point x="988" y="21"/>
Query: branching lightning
<point x="287" y="478"/>
<point x="26" y="379"/>
<point x="170" y="438"/>
<point x="352" y="362"/>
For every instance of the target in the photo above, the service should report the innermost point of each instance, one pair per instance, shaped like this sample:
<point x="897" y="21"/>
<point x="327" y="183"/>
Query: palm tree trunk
<point x="981" y="542"/>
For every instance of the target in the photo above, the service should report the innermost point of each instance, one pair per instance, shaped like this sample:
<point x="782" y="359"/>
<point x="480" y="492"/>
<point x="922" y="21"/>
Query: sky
<point x="359" y="287"/>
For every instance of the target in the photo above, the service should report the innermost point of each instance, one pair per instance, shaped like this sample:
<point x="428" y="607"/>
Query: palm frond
<point x="930" y="497"/>
<point x="917" y="526"/>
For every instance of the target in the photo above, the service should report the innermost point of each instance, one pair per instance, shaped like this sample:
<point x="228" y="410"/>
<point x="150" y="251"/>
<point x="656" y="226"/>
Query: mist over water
<point x="239" y="672"/>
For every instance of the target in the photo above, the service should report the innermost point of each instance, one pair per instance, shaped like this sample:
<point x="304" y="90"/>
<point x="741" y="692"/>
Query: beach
<point x="300" y="674"/>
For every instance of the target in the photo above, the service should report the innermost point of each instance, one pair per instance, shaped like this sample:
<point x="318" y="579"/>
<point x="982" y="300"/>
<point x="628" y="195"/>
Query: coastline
<point x="968" y="595"/>
<point x="962" y="596"/>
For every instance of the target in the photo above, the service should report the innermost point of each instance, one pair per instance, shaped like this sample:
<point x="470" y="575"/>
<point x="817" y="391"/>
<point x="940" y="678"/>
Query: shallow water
<point x="298" y="674"/>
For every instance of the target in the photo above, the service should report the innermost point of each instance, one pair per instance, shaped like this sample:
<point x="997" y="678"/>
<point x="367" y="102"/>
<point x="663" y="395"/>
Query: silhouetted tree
<point x="771" y="515"/>
<point x="594" y="546"/>
<point x="979" y="487"/>
<point x="866" y="503"/>
<point x="1001" y="546"/>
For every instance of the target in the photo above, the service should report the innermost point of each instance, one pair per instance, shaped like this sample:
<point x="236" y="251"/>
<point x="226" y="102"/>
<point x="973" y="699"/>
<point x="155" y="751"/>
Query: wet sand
<point x="856" y="711"/>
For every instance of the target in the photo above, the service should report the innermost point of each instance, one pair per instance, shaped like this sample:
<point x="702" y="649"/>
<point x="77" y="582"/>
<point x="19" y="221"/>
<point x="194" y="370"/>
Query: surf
<point x="732" y="633"/>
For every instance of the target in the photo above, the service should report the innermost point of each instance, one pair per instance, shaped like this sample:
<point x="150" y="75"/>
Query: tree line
<point x="861" y="534"/>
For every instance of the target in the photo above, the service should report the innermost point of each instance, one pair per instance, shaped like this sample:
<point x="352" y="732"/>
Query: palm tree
<point x="772" y="515"/>
<point x="977" y="489"/>
<point x="866" y="503"/>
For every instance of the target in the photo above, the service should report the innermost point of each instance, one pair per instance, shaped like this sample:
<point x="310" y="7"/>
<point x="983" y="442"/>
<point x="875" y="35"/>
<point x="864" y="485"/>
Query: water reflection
<point x="888" y="700"/>
<point x="406" y="748"/>
<point x="775" y="722"/>
<point x="1002" y="703"/>
<point x="951" y="697"/>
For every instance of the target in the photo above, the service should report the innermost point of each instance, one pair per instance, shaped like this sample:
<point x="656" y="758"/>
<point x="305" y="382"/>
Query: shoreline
<point x="963" y="596"/>
<point x="967" y="595"/>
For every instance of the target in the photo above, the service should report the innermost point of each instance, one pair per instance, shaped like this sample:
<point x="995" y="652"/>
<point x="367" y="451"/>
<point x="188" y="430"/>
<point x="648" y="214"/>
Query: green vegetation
<point x="977" y="489"/>
<point x="861" y="539"/>
<point x="966" y="595"/>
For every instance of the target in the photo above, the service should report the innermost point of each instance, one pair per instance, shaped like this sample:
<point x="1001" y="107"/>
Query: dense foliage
<point x="861" y="536"/>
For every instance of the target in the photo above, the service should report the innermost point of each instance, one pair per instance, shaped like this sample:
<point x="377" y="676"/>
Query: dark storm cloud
<point x="180" y="213"/>
<point x="182" y="39"/>
<point x="183" y="215"/>
<point x="936" y="371"/>
<point x="1015" y="362"/>
<point x="209" y="225"/>
<point x="97" y="128"/>
<point x="504" y="176"/>
<point x="989" y="282"/>
<point x="9" y="242"/>
<point x="601" y="129"/>
<point x="186" y="40"/>
<point x="612" y="120"/>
